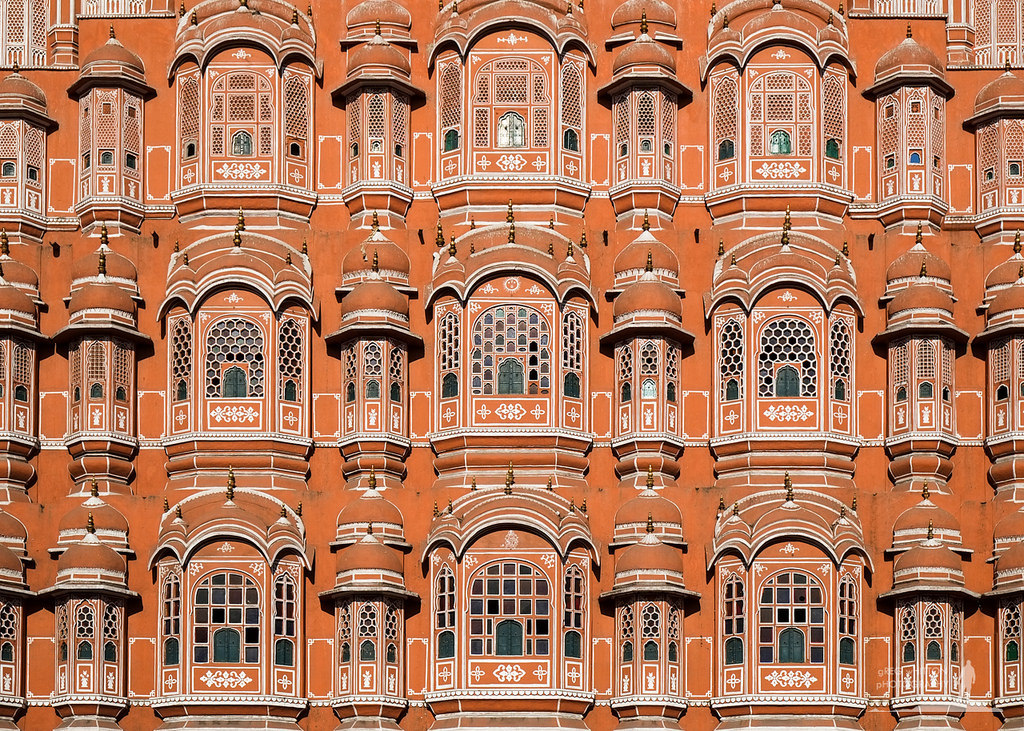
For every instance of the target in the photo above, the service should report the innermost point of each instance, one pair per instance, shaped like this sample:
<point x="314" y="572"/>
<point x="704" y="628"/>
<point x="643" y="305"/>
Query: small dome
<point x="14" y="272"/>
<point x="1008" y="89"/>
<point x="105" y="518"/>
<point x="1006" y="273"/>
<point x="378" y="52"/>
<point x="387" y="12"/>
<point x="648" y="504"/>
<point x="116" y="266"/>
<point x="11" y="527"/>
<point x="113" y="52"/>
<point x="631" y="11"/>
<point x="11" y="568"/>
<point x="927" y="558"/>
<point x="101" y="297"/>
<point x="634" y="256"/>
<point x="919" y="297"/>
<point x="910" y="265"/>
<point x="1012" y="559"/>
<point x="369" y="554"/>
<point x="390" y="256"/>
<point x="648" y="295"/>
<point x="375" y="295"/>
<point x="370" y="508"/>
<point x="15" y="89"/>
<point x="908" y="55"/>
<point x="649" y="556"/>
<point x="1010" y="527"/>
<point x="1007" y="300"/>
<point x="918" y="518"/>
<point x="644" y="51"/>
<point x="91" y="556"/>
<point x="13" y="299"/>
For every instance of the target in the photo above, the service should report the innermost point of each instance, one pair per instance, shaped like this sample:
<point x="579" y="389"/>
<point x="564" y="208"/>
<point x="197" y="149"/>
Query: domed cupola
<point x="929" y="567"/>
<point x="649" y="506"/>
<point x="660" y="16"/>
<point x="112" y="66"/>
<point x="915" y="524"/>
<point x="101" y="339"/>
<point x="376" y="254"/>
<point x="108" y="524"/>
<point x="22" y="99"/>
<point x="371" y="508"/>
<point x="392" y="19"/>
<point x="648" y="341"/>
<point x="370" y="562"/>
<point x="90" y="564"/>
<point x="909" y="63"/>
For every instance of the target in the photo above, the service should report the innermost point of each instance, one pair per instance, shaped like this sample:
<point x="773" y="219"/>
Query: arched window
<point x="84" y="650"/>
<point x="574" y="598"/>
<point x="1012" y="651"/>
<point x="787" y="382"/>
<point x="449" y="386"/>
<point x="925" y="390"/>
<point x="1002" y="393"/>
<point x="791" y="600"/>
<point x="787" y="342"/>
<point x="627" y="651"/>
<point x="109" y="652"/>
<point x="832" y="148"/>
<point x="909" y="652"/>
<point x="725" y="111"/>
<point x="514" y="596"/>
<point x="226" y="619"/>
<point x="780" y="143"/>
<point x="234" y="343"/>
<point x="734" y="651"/>
<point x="446" y="645"/>
<point x="509" y="638"/>
<point x="571" y="140"/>
<point x="367" y="651"/>
<point x="848" y="620"/>
<point x="625" y="373"/>
<point x="511" y="130"/>
<point x="111" y="632"/>
<point x="572" y="385"/>
<point x="291" y="354"/>
<point x="171" y="611"/>
<point x="650" y="650"/>
<point x="571" y="106"/>
<point x="573" y="644"/>
<point x="227" y="645"/>
<point x="730" y="359"/>
<point x="372" y="389"/>
<point x="235" y="383"/>
<point x="791" y="646"/>
<point x="934" y="632"/>
<point x="181" y="358"/>
<point x="284" y="653"/>
<point x="726" y="150"/>
<point x="505" y="337"/>
<point x="350" y="393"/>
<point x="450" y="102"/>
<point x="649" y="389"/>
<point x="650" y="630"/>
<point x="733" y="619"/>
<point x="451" y="140"/>
<point x="626" y="632"/>
<point x="85" y="631"/>
<point x="933" y="651"/>
<point x="396" y="373"/>
<point x="241" y="144"/>
<point x="847" y="655"/>
<point x="285" y="613"/>
<point x="840" y="357"/>
<point x="172" y="651"/>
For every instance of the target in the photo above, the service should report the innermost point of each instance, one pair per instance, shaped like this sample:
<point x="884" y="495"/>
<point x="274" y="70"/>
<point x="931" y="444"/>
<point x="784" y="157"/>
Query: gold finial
<point x="776" y="2"/>
<point x="104" y="241"/>
<point x="842" y="11"/>
<point x="568" y="250"/>
<point x="455" y="7"/>
<point x="101" y="264"/>
<point x="181" y="9"/>
<point x="568" y="8"/>
<point x="94" y="488"/>
<point x="437" y="513"/>
<point x="376" y="27"/>
<point x="369" y="528"/>
<point x="440" y="5"/>
<point x="244" y="3"/>
<point x="295" y="16"/>
<point x="439" y="236"/>
<point x="240" y="224"/>
<point x="736" y="509"/>
<point x="785" y="238"/>
<point x="643" y="22"/>
<point x="714" y="10"/>
<point x="650" y="523"/>
<point x="551" y="247"/>
<point x="298" y="509"/>
<point x="725" y="20"/>
<point x="910" y="31"/>
<point x="167" y="505"/>
<point x="450" y="509"/>
<point x="572" y="505"/>
<point x="649" y="266"/>
<point x="288" y="258"/>
<point x="309" y="10"/>
<point x="472" y="485"/>
<point x="510" y="479"/>
<point x="650" y="477"/>
<point x="1016" y="242"/>
<point x="550" y="487"/>
<point x="305" y="248"/>
<point x="721" y="504"/>
<point x="284" y="511"/>
<point x="184" y="259"/>
<point x="839" y="258"/>
<point x="374" y="222"/>
<point x="112" y="31"/>
<point x="472" y="224"/>
<point x="231" y="483"/>
<point x="721" y="247"/>
<point x="924" y="268"/>
<point x="580" y="4"/>
<point x="372" y="482"/>
<point x="452" y="250"/>
<point x="551" y="222"/>
<point x="732" y="262"/>
<point x="375" y="266"/>
<point x="920" y="233"/>
<point x="177" y="246"/>
<point x="846" y="249"/>
<point x="842" y="512"/>
<point x="787" y="221"/>
<point x="583" y="240"/>
<point x="237" y="239"/>
<point x="925" y="492"/>
<point x="789" y="488"/>
<point x="5" y="244"/>
<point x="472" y="246"/>
<point x="583" y="506"/>
<point x="90" y="525"/>
<point x="831" y="20"/>
<point x="931" y="530"/>
<point x="177" y="512"/>
<point x="853" y="504"/>
<point x="509" y="215"/>
<point x="646" y="225"/>
<point x="512" y="232"/>
<point x="193" y="20"/>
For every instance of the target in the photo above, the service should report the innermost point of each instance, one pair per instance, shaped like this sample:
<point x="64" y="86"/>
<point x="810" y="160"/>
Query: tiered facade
<point x="517" y="364"/>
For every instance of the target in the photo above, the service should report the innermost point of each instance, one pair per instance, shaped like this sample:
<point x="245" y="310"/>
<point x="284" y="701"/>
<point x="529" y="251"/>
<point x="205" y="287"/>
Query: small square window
<point x="890" y="111"/>
<point x="8" y="170"/>
<point x="890" y="162"/>
<point x="86" y="161"/>
<point x="131" y="161"/>
<point x="106" y="157"/>
<point x="915" y="107"/>
<point x="1013" y="168"/>
<point x="990" y="173"/>
<point x="33" y="173"/>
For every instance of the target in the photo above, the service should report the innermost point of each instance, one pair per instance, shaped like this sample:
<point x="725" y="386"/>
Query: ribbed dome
<point x="632" y="10"/>
<point x="919" y="297"/>
<point x="10" y="566"/>
<point x="104" y="517"/>
<point x="91" y="555"/>
<point x="634" y="256"/>
<point x="924" y="513"/>
<point x="388" y="12"/>
<point x="1007" y="300"/>
<point x="648" y="295"/>
<point x="95" y="296"/>
<point x="11" y="527"/>
<point x="644" y="51"/>
<point x="13" y="299"/>
<point x="927" y="558"/>
<point x="116" y="265"/>
<point x="390" y="256"/>
<point x="649" y="555"/>
<point x="378" y="52"/>
<point x="113" y="52"/>
<point x="909" y="265"/>
<point x="375" y="295"/>
<point x="1012" y="526"/>
<point x="1006" y="88"/>
<point x="909" y="53"/>
<point x="1008" y="272"/>
<point x="371" y="507"/>
<point x="648" y="504"/>
<point x="15" y="89"/>
<point x="369" y="554"/>
<point x="1012" y="559"/>
<point x="17" y="273"/>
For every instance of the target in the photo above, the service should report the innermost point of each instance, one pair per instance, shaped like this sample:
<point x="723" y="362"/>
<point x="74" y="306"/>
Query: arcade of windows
<point x="512" y="352"/>
<point x="509" y="611"/>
